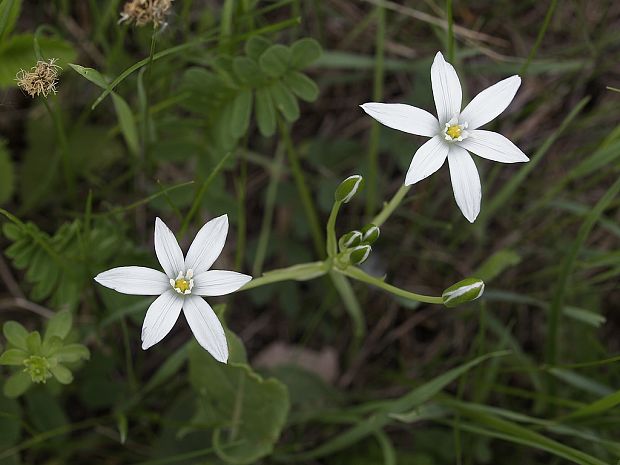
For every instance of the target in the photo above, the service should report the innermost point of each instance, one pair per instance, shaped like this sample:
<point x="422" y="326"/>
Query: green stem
<point x="270" y="202"/>
<point x="304" y="192"/>
<point x="373" y="150"/>
<point x="241" y="183"/>
<point x="332" y="245"/>
<point x="358" y="274"/>
<point x="302" y="272"/>
<point x="186" y="46"/>
<point x="389" y="207"/>
<point x="539" y="38"/>
<point x="200" y="194"/>
<point x="64" y="148"/>
<point x="450" y="38"/>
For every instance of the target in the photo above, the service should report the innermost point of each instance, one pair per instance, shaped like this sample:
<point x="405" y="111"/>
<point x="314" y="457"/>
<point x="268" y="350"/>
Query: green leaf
<point x="59" y="325"/>
<point x="265" y="113"/>
<point x="17" y="53"/>
<point x="62" y="374"/>
<point x="388" y="410"/>
<point x="255" y="46"/>
<point x="496" y="264"/>
<point x="302" y="86"/>
<point x="304" y="52"/>
<point x="17" y="384"/>
<point x="275" y="60"/>
<point x="33" y="342"/>
<point x="241" y="112"/>
<point x="247" y="70"/>
<point x="284" y="101"/>
<point x="9" y="12"/>
<point x="127" y="123"/>
<point x="13" y="357"/>
<point x="16" y="334"/>
<point x="7" y="173"/>
<point x="247" y="411"/>
<point x="73" y="353"/>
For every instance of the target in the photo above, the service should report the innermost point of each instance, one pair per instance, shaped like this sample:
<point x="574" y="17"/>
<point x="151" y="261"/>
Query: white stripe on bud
<point x="464" y="291"/>
<point x="348" y="188"/>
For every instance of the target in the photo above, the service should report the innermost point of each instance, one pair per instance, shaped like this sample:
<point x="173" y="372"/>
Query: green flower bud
<point x="348" y="188"/>
<point x="359" y="254"/>
<point x="464" y="291"/>
<point x="370" y="233"/>
<point x="350" y="239"/>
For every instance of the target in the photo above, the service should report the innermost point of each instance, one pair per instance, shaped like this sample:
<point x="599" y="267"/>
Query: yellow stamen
<point x="181" y="284"/>
<point x="454" y="131"/>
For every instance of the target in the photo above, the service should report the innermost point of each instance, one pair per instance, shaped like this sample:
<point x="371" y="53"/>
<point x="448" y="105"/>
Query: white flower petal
<point x="160" y="318"/>
<point x="404" y="118"/>
<point x="136" y="280"/>
<point x="206" y="327"/>
<point x="218" y="282"/>
<point x="207" y="245"/>
<point x="167" y="249"/>
<point x="465" y="182"/>
<point x="490" y="102"/>
<point x="446" y="89"/>
<point x="493" y="146"/>
<point x="427" y="159"/>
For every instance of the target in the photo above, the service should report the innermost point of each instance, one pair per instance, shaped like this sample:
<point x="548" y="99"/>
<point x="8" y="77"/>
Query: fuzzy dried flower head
<point x="41" y="79"/>
<point x="142" y="12"/>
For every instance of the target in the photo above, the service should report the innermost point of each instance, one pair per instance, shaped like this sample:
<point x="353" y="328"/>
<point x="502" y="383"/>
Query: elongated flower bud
<point x="350" y="239"/>
<point x="370" y="233"/>
<point x="464" y="291"/>
<point x="348" y="188"/>
<point x="359" y="254"/>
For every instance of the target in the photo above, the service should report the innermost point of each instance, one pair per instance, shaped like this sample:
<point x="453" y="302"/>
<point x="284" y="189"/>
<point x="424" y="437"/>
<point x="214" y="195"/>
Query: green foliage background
<point x="250" y="108"/>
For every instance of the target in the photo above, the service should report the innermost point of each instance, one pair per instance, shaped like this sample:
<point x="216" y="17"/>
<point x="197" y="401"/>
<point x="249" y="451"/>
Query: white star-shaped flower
<point x="181" y="286"/>
<point x="454" y="132"/>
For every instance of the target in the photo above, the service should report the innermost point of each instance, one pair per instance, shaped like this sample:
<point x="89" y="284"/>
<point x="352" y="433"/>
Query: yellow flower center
<point x="181" y="284"/>
<point x="454" y="131"/>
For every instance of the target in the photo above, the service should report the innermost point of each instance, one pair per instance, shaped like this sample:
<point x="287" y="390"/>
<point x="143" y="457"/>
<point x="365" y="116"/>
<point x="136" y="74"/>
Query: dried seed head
<point x="142" y="12"/>
<point x="41" y="79"/>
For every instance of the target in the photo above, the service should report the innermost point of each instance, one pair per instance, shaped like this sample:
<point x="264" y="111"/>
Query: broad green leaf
<point x="59" y="325"/>
<point x="265" y="113"/>
<point x="13" y="357"/>
<point x="16" y="334"/>
<point x="33" y="342"/>
<point x="51" y="345"/>
<point x="73" y="353"/>
<point x="9" y="12"/>
<point x="305" y="52"/>
<point x="17" y="384"/>
<point x="17" y="53"/>
<point x="247" y="70"/>
<point x="284" y="101"/>
<point x="62" y="374"/>
<point x="255" y="46"/>
<point x="247" y="411"/>
<point x="304" y="87"/>
<point x="275" y="60"/>
<point x="241" y="112"/>
<point x="7" y="174"/>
